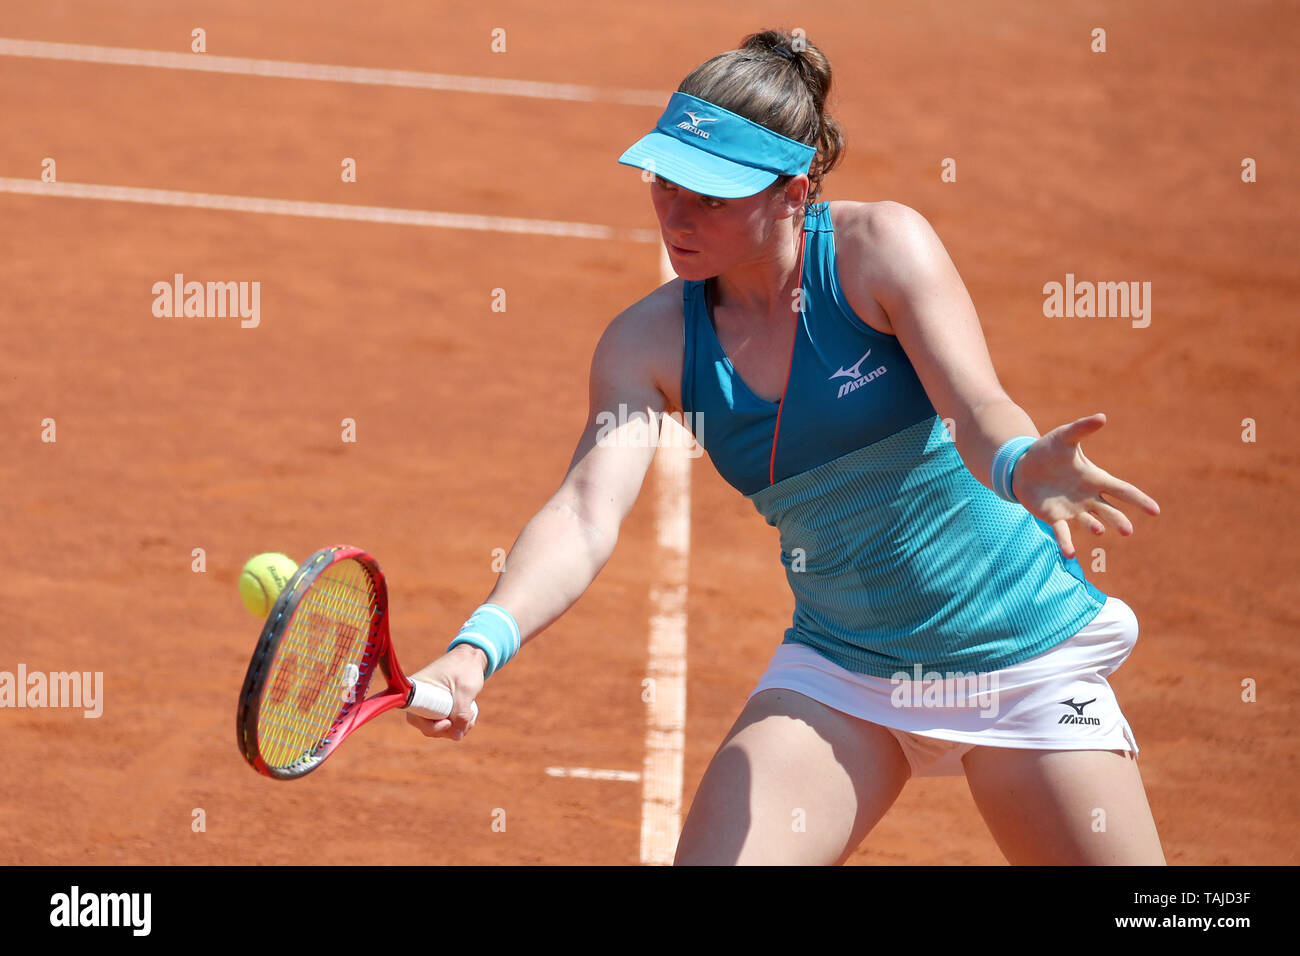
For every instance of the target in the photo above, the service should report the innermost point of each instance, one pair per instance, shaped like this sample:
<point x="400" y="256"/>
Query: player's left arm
<point x="902" y="265"/>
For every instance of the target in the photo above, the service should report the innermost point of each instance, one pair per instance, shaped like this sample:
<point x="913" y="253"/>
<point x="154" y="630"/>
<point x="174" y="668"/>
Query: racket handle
<point x="432" y="701"/>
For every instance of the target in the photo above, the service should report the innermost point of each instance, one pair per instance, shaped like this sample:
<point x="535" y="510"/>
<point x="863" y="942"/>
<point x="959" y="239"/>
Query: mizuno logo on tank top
<point x="854" y="372"/>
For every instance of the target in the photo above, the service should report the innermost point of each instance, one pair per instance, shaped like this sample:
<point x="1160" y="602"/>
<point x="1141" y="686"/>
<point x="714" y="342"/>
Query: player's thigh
<point x="1064" y="807"/>
<point x="795" y="782"/>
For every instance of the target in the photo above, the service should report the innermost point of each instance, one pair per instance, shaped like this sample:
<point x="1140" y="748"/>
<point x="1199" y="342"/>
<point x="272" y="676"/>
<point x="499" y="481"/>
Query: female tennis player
<point x="942" y="622"/>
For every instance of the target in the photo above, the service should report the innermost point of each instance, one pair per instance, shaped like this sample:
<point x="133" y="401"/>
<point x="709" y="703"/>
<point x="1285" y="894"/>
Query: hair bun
<point x="749" y="82"/>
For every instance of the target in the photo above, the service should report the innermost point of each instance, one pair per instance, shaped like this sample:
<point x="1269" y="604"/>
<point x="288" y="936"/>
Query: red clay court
<point x="175" y="434"/>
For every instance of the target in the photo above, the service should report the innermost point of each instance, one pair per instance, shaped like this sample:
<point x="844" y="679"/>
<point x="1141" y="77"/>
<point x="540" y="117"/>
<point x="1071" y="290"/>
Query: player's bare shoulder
<point x="643" y="343"/>
<point x="878" y="245"/>
<point x="876" y="230"/>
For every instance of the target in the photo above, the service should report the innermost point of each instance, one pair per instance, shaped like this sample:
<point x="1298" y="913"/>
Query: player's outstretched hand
<point x="460" y="670"/>
<point x="1056" y="482"/>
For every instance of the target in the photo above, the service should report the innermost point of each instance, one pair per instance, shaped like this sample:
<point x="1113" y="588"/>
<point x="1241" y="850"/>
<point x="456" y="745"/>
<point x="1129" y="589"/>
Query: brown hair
<point x="781" y="81"/>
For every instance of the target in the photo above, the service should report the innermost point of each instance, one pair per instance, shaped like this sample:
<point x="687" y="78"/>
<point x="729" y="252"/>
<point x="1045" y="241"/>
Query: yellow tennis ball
<point x="262" y="580"/>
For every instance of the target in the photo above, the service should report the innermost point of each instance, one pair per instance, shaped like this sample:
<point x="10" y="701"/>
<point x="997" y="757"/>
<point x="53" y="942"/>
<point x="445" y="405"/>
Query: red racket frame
<point x="355" y="713"/>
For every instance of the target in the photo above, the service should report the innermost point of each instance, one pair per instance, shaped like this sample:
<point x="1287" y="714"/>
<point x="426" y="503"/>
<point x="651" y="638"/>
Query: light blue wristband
<point x="1004" y="463"/>
<point x="492" y="629"/>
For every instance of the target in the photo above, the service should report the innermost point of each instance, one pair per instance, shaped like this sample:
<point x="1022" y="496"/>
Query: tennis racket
<point x="305" y="691"/>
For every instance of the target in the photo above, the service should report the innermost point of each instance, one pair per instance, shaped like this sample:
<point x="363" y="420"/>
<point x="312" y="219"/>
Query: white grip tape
<point x="433" y="701"/>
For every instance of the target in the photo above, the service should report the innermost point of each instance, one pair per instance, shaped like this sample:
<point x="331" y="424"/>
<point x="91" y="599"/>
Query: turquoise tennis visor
<point x="713" y="151"/>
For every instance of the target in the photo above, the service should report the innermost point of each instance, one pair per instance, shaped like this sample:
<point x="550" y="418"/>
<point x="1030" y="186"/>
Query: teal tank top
<point x="897" y="556"/>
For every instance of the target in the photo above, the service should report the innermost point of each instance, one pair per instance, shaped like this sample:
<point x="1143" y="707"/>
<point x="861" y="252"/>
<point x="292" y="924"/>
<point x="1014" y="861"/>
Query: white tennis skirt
<point x="1059" y="700"/>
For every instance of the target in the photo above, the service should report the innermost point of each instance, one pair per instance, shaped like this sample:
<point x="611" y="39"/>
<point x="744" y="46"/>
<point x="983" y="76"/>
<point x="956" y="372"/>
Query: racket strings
<point x="321" y="667"/>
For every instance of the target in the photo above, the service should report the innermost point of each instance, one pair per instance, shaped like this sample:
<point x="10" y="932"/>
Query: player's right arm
<point x="566" y="543"/>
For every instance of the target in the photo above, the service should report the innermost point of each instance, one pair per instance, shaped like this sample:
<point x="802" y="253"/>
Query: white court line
<point x="661" y="790"/>
<point x="325" y="210"/>
<point x="587" y="773"/>
<point x="284" y="69"/>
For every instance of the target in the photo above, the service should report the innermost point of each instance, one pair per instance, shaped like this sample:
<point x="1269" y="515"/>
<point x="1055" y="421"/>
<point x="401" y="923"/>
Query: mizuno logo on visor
<point x="693" y="125"/>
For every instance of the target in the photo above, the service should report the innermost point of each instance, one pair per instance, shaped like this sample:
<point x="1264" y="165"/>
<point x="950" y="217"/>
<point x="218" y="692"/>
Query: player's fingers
<point x="1111" y="515"/>
<point x="1081" y="428"/>
<point x="464" y="715"/>
<point x="1061" y="528"/>
<point x="428" y="727"/>
<point x="1123" y="491"/>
